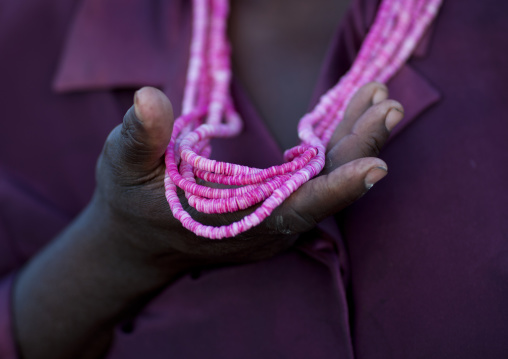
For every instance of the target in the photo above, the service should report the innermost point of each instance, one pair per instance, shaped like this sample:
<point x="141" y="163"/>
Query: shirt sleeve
<point x="7" y="345"/>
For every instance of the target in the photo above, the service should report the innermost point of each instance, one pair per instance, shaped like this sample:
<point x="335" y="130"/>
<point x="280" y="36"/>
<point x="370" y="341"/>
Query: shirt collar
<point x="119" y="43"/>
<point x="408" y="86"/>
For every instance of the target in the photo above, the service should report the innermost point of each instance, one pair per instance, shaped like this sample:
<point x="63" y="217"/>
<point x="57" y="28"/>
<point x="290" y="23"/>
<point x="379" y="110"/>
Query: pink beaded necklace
<point x="208" y="112"/>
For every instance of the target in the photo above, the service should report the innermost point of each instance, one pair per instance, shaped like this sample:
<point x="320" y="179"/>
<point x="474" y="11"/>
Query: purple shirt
<point x="420" y="267"/>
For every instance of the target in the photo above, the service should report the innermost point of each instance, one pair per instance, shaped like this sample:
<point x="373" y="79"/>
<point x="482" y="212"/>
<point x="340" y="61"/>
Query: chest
<point x="278" y="50"/>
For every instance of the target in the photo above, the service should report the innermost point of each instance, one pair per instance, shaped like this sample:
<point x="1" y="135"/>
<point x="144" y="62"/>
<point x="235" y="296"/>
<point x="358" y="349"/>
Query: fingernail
<point x="380" y="95"/>
<point x="394" y="116"/>
<point x="374" y="176"/>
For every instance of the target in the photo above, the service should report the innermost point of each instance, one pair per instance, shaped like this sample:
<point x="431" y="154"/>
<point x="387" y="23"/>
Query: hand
<point x="126" y="246"/>
<point x="131" y="170"/>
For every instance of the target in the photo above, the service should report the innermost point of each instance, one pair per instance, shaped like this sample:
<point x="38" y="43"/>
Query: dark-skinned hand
<point x="131" y="170"/>
<point x="125" y="247"/>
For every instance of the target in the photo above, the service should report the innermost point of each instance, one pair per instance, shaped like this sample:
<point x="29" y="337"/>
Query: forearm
<point x="74" y="292"/>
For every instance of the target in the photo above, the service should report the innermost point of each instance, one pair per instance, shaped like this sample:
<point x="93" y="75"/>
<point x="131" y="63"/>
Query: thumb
<point x="146" y="130"/>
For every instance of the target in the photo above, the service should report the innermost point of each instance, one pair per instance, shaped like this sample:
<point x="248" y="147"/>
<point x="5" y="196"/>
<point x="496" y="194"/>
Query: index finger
<point x="325" y="195"/>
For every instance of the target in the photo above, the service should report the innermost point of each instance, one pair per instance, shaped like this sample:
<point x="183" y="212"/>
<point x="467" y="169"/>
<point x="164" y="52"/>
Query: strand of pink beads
<point x="208" y="112"/>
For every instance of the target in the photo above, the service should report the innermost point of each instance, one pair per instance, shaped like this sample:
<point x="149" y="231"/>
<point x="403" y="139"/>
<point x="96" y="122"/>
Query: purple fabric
<point x="421" y="268"/>
<point x="428" y="248"/>
<point x="7" y="346"/>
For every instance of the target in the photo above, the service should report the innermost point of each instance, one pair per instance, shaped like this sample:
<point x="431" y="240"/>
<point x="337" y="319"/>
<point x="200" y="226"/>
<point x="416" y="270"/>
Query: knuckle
<point x="372" y="145"/>
<point x="370" y="87"/>
<point x="384" y="106"/>
<point x="282" y="226"/>
<point x="128" y="136"/>
<point x="375" y="86"/>
<point x="288" y="222"/>
<point x="299" y="222"/>
<point x="369" y="145"/>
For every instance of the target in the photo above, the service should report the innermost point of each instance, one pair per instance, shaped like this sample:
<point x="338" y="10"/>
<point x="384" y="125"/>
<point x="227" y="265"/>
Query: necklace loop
<point x="209" y="112"/>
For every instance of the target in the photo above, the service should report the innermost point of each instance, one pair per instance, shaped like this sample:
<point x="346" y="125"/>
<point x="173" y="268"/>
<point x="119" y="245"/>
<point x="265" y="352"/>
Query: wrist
<point x="133" y="243"/>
